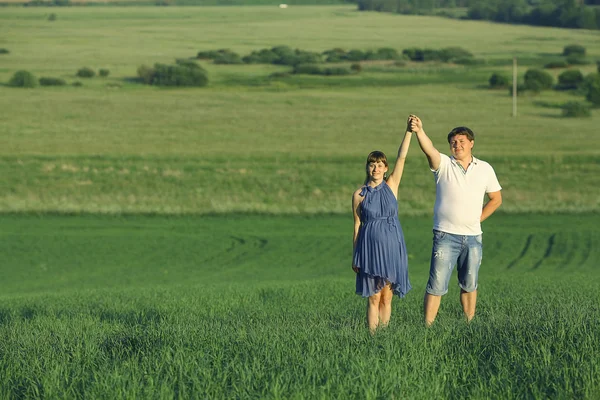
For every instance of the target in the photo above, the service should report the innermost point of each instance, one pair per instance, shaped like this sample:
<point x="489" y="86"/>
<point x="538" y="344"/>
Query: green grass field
<point x="195" y="243"/>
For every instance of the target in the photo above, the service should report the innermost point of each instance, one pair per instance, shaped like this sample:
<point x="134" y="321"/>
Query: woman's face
<point x="376" y="170"/>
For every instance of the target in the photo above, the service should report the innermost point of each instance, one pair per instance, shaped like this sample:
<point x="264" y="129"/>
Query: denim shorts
<point x="464" y="251"/>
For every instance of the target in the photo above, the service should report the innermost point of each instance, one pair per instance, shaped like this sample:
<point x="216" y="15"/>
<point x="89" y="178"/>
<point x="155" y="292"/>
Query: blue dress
<point x="380" y="251"/>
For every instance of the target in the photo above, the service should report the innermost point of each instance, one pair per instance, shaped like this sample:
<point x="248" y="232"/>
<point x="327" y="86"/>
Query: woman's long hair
<point x="375" y="157"/>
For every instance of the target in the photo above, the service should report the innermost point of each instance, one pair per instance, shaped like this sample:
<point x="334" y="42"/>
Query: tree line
<point x="583" y="14"/>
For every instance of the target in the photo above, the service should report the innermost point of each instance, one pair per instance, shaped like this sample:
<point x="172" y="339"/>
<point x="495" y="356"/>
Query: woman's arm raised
<point x="396" y="174"/>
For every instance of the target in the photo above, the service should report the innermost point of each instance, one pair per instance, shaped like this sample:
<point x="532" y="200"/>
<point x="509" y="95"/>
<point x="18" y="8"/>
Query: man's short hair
<point x="461" y="130"/>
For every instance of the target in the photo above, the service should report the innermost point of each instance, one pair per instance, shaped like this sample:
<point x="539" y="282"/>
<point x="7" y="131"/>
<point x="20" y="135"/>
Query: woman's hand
<point x="355" y="269"/>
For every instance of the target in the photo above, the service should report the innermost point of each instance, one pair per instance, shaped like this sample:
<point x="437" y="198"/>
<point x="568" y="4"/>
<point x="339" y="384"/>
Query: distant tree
<point x="537" y="80"/>
<point x="570" y="79"/>
<point x="24" y="79"/>
<point x="573" y="49"/>
<point x="498" y="81"/>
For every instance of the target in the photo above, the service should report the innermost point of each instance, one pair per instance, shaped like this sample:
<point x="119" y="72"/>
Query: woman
<point x="380" y="260"/>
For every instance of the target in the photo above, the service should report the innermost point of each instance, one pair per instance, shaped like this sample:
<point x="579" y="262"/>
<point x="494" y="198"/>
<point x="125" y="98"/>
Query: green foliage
<point x="575" y="109"/>
<point x="592" y="87"/>
<point x="263" y="56"/>
<point x="77" y="84"/>
<point x="86" y="72"/>
<point x="556" y="64"/>
<point x="184" y="73"/>
<point x="178" y="75"/>
<point x="449" y="54"/>
<point x="52" y="17"/>
<point x="574" y="50"/>
<point x="537" y="80"/>
<point x="499" y="81"/>
<point x="146" y="74"/>
<point x="356" y="67"/>
<point x="4" y="51"/>
<point x="24" y="79"/>
<point x="570" y="79"/>
<point x="228" y="57"/>
<point x="48" y="81"/>
<point x="336" y="55"/>
<point x="212" y="54"/>
<point x="103" y="72"/>
<point x="577" y="60"/>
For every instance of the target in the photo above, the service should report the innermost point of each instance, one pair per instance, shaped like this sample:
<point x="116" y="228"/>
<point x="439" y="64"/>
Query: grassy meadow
<point x="196" y="243"/>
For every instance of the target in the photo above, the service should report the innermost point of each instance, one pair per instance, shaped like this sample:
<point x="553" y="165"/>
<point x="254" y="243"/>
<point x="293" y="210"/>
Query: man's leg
<point x="468" y="300"/>
<point x="443" y="258"/>
<point x="431" y="305"/>
<point x="469" y="262"/>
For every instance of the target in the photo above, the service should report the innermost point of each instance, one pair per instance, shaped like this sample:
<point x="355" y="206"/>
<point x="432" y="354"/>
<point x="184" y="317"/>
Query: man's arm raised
<point x="433" y="155"/>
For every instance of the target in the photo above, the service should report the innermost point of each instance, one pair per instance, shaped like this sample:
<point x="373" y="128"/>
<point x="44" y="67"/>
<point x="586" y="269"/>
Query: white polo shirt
<point x="460" y="193"/>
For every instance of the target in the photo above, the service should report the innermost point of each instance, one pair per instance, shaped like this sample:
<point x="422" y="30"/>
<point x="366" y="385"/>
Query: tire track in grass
<point x="547" y="253"/>
<point x="523" y="252"/>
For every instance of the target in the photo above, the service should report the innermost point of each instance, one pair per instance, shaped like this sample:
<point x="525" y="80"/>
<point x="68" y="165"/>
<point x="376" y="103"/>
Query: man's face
<point x="461" y="146"/>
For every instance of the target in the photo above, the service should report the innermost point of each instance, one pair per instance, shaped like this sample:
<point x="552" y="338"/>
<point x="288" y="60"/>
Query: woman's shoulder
<point x="358" y="191"/>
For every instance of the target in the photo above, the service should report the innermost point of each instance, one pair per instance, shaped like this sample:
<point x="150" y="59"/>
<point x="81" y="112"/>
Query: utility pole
<point x="514" y="91"/>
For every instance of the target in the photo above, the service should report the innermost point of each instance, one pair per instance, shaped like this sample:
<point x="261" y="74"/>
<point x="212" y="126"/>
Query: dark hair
<point x="461" y="130"/>
<point x="374" y="157"/>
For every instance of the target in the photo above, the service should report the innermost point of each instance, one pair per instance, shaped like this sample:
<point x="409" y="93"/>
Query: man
<point x="462" y="181"/>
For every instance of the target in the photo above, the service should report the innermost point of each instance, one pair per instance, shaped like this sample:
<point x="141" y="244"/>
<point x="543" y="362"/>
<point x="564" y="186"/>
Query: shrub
<point x="556" y="64"/>
<point x="573" y="49"/>
<point x="356" y="67"/>
<point x="577" y="60"/>
<point x="182" y="62"/>
<point x="264" y="56"/>
<point x="498" y="81"/>
<point x="211" y="54"/>
<point x="285" y="55"/>
<point x="23" y="79"/>
<point x="86" y="72"/>
<point x="146" y="74"/>
<point x="575" y="109"/>
<point x="592" y="87"/>
<point x="46" y="81"/>
<point x="570" y="79"/>
<point x="103" y="72"/>
<point x="417" y="54"/>
<point x="228" y="58"/>
<point x="4" y="51"/>
<point x="537" y="80"/>
<point x="453" y="53"/>
<point x="383" y="53"/>
<point x="306" y="57"/>
<point x="178" y="75"/>
<point x="52" y="17"/>
<point x="355" y="55"/>
<point x="336" y="55"/>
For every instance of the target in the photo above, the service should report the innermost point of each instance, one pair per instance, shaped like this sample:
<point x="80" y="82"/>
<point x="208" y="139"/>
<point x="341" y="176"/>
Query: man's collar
<point x="473" y="160"/>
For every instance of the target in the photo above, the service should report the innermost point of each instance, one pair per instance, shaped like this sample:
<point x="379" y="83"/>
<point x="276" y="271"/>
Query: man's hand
<point x="416" y="125"/>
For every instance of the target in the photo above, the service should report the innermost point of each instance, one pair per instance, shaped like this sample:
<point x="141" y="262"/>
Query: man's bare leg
<point x="431" y="305"/>
<point x="468" y="300"/>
